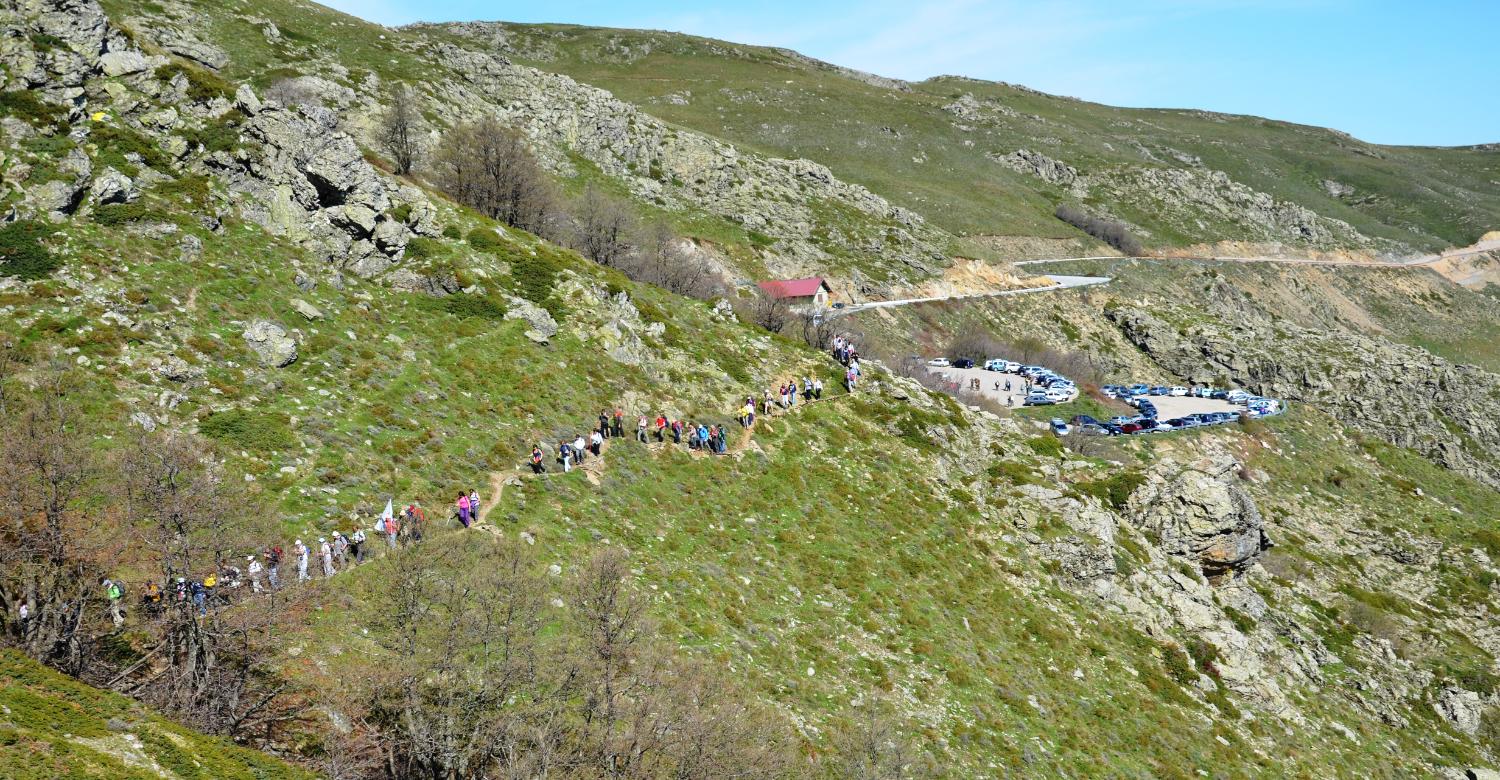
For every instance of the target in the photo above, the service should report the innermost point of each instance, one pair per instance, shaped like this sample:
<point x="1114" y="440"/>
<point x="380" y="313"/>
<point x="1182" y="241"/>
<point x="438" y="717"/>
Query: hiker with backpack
<point x="273" y="566"/>
<point x="357" y="543"/>
<point x="416" y="521"/>
<point x="254" y="570"/>
<point x="596" y="443"/>
<point x="537" y="467"/>
<point x="392" y="528"/>
<point x="640" y="429"/>
<point x="661" y="428"/>
<point x="580" y="449"/>
<point x="300" y="551"/>
<point x="565" y="453"/>
<point x="114" y="592"/>
<point x="325" y="557"/>
<point x="603" y="424"/>
<point x="676" y="431"/>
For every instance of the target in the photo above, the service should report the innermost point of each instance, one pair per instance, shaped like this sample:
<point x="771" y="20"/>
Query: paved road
<point x="1413" y="263"/>
<point x="1060" y="283"/>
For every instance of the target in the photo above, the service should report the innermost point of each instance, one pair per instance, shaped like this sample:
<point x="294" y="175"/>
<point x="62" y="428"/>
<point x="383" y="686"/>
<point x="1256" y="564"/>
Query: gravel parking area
<point x="1169" y="407"/>
<point x="991" y="383"/>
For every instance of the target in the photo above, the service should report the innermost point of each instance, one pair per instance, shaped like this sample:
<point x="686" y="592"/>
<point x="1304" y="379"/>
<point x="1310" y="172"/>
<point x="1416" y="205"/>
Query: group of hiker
<point x="262" y="571"/>
<point x="847" y="355"/>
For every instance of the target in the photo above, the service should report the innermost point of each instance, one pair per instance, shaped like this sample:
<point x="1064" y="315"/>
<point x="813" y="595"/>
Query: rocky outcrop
<point x="807" y="212"/>
<point x="310" y="182"/>
<point x="1039" y="165"/>
<point x="271" y="344"/>
<point x="540" y="327"/>
<point x="1405" y="395"/>
<point x="1202" y="515"/>
<point x="1188" y="197"/>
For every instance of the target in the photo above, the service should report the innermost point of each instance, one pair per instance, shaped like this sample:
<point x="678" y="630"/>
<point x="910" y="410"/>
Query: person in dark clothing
<point x="536" y="460"/>
<point x="604" y="424"/>
<point x="676" y="431"/>
<point x="619" y="429"/>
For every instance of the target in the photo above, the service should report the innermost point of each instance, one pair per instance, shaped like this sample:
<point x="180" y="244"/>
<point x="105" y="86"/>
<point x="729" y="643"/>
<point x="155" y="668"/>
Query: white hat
<point x="249" y="557"/>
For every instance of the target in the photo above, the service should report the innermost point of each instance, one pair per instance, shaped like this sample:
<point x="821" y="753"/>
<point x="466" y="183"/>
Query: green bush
<point x="1179" y="666"/>
<point x="22" y="253"/>
<point x="1114" y="490"/>
<point x="485" y="240"/>
<point x="222" y="135"/>
<point x="27" y="107"/>
<point x="452" y="232"/>
<point x="251" y="430"/>
<point x="113" y="214"/>
<point x="535" y="275"/>
<point x="473" y="306"/>
<point x="423" y="248"/>
<point x="116" y="142"/>
<point x="193" y="189"/>
<point x="202" y="85"/>
<point x="1049" y="446"/>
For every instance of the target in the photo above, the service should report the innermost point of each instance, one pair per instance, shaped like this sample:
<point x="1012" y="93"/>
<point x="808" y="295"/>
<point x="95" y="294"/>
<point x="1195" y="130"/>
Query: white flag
<point x="388" y="513"/>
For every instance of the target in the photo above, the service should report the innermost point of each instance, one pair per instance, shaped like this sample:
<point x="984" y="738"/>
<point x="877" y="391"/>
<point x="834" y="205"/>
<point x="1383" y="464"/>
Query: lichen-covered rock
<point x="271" y="344"/>
<point x="111" y="186"/>
<point x="1198" y="512"/>
<point x="540" y="327"/>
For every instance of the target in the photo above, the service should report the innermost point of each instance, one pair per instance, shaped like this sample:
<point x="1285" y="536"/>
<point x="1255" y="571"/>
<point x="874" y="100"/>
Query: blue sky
<point x="1389" y="72"/>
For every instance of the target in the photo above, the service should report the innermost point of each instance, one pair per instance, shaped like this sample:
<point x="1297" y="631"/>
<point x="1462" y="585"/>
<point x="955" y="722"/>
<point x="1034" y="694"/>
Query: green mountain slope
<point x="885" y="580"/>
<point x="931" y="146"/>
<point x="52" y="726"/>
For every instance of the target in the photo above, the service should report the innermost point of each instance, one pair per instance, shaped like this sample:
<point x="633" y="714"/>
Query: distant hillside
<point x="980" y="157"/>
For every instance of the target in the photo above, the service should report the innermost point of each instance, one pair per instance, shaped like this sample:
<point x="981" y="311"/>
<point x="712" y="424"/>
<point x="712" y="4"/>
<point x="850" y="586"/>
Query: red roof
<point x="794" y="288"/>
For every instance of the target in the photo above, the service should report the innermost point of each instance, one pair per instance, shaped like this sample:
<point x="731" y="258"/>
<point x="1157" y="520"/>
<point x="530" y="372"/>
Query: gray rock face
<point x="55" y="197"/>
<point x="185" y="45"/>
<point x="120" y="63"/>
<point x="111" y="186"/>
<point x="1039" y="165"/>
<point x="1404" y="395"/>
<point x="1462" y="709"/>
<point x="307" y="310"/>
<point x="311" y="183"/>
<point x="177" y="369"/>
<point x="1199" y="513"/>
<point x="540" y="327"/>
<point x="779" y="198"/>
<point x="190" y="247"/>
<point x="271" y="344"/>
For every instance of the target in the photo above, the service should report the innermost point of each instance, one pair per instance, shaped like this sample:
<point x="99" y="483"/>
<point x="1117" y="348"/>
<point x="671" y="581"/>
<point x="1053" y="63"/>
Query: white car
<point x="938" y="362"/>
<point x="1177" y="390"/>
<point x="1011" y="367"/>
<point x="1237" y="396"/>
<point x="1059" y="394"/>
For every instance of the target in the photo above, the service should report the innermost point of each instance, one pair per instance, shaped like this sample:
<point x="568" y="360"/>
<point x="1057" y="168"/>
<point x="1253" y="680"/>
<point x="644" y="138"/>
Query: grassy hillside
<point x="905" y="146"/>
<point x="889" y="577"/>
<point x="52" y="726"/>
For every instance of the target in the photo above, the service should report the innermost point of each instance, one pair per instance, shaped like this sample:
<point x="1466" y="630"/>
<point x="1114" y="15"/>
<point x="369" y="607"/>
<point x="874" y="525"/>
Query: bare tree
<point x="873" y="748"/>
<point x="48" y="555"/>
<point x="488" y="167"/>
<point x="663" y="259"/>
<point x="400" y="129"/>
<point x="818" y="329"/>
<point x="207" y="668"/>
<point x="602" y="227"/>
<point x="292" y="92"/>
<point x="769" y="311"/>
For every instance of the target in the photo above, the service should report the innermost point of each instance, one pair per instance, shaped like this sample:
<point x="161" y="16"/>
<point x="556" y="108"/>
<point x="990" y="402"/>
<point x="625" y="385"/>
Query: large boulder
<point x="111" y="186"/>
<point x="1200" y="513"/>
<point x="540" y="327"/>
<point x="271" y="343"/>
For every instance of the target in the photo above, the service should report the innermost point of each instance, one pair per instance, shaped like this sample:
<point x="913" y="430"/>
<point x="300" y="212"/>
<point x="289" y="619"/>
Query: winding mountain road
<point x="1062" y="282"/>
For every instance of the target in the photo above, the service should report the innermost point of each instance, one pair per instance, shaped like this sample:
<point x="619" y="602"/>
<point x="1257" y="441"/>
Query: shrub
<point x="485" y="240"/>
<point x="452" y="232"/>
<point x="473" y="306"/>
<point x="219" y="136"/>
<point x="113" y="214"/>
<point x="1049" y="446"/>
<point x="1179" y="666"/>
<point x="535" y="275"/>
<point x="22" y="253"/>
<point x="202" y="86"/>
<point x="263" y="431"/>
<point x="1114" y="490"/>
<point x="1116" y="234"/>
<point x="27" y="107"/>
<point x="116" y="142"/>
<point x="423" y="248"/>
<point x="193" y="189"/>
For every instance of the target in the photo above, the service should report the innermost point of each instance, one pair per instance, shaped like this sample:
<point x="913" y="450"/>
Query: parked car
<point x="1121" y="420"/>
<point x="1237" y="396"/>
<point x="1083" y="419"/>
<point x="1219" y="394"/>
<point x="1059" y="427"/>
<point x="1111" y="391"/>
<point x="1161" y="390"/>
<point x="1133" y="427"/>
<point x="1058" y="395"/>
<point x="1135" y="390"/>
<point x="961" y="363"/>
<point x="1159" y="426"/>
<point x="938" y="362"/>
<point x="1177" y="391"/>
<point x="994" y="364"/>
<point x="1038" y="399"/>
